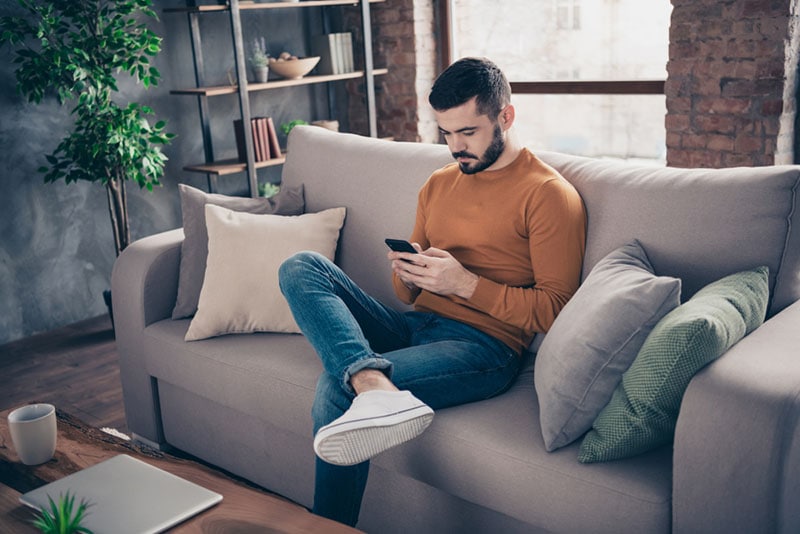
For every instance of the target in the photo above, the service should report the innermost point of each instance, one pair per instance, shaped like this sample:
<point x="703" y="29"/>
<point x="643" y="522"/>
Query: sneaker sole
<point x="357" y="441"/>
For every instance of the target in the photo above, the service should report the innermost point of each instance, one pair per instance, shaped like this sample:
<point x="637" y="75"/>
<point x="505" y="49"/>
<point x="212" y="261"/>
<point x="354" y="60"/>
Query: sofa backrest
<point x="376" y="180"/>
<point x="697" y="224"/>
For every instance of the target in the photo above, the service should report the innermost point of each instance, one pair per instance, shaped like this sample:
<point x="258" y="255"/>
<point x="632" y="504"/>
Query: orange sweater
<point x="521" y="229"/>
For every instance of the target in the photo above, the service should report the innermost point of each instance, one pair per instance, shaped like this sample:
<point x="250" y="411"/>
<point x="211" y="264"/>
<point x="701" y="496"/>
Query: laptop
<point x="127" y="496"/>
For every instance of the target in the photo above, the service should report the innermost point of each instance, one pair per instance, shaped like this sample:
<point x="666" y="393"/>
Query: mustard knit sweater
<point x="521" y="229"/>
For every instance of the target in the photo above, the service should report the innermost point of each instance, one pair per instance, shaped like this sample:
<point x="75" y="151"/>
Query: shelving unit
<point x="214" y="168"/>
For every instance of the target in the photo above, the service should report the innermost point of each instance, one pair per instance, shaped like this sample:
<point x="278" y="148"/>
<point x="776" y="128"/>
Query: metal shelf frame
<point x="212" y="168"/>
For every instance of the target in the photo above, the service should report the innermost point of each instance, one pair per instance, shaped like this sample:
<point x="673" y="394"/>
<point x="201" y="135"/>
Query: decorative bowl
<point x="294" y="68"/>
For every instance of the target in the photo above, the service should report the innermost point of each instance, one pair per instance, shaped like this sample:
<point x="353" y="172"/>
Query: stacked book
<point x="265" y="139"/>
<point x="335" y="51"/>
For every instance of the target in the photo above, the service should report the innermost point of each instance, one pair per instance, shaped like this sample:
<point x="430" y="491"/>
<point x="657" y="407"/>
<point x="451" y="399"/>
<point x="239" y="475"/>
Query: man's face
<point x="476" y="141"/>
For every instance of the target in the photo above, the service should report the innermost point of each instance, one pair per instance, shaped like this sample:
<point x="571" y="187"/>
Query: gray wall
<point x="56" y="244"/>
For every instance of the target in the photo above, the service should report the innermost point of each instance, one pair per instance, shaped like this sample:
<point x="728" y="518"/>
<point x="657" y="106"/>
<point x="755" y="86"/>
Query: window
<point x="587" y="75"/>
<point x="568" y="14"/>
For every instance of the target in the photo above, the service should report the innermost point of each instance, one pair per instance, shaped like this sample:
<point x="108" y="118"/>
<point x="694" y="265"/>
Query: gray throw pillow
<point x="194" y="249"/>
<point x="595" y="339"/>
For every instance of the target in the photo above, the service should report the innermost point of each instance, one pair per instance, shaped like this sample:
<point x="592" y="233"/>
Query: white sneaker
<point x="376" y="421"/>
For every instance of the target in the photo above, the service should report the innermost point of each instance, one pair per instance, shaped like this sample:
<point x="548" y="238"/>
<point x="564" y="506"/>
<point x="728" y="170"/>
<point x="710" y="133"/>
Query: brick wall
<point x="404" y="40"/>
<point x="731" y="83"/>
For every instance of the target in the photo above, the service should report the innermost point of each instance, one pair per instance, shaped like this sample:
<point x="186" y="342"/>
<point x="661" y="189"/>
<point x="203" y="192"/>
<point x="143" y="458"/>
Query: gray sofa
<point x="243" y="402"/>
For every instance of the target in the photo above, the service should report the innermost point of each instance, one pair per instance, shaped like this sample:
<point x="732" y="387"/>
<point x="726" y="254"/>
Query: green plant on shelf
<point x="286" y="127"/>
<point x="268" y="189"/>
<point x="62" y="517"/>
<point x="259" y="57"/>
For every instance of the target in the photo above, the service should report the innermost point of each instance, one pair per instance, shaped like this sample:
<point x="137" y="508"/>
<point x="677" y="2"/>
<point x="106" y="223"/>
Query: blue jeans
<point x="441" y="361"/>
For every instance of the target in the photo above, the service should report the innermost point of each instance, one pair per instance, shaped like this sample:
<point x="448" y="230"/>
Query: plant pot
<point x="260" y="74"/>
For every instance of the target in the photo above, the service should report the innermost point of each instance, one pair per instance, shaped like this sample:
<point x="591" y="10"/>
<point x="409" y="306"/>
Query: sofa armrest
<point x="737" y="442"/>
<point x="144" y="286"/>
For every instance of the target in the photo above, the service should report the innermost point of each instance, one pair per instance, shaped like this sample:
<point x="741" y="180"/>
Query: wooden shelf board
<point x="270" y="5"/>
<point x="275" y="84"/>
<point x="231" y="166"/>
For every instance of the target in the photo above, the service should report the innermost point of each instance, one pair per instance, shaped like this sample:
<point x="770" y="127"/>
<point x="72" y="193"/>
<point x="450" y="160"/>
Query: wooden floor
<point x="75" y="368"/>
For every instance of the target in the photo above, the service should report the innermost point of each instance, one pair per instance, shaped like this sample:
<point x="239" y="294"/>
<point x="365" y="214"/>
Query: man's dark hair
<point x="471" y="77"/>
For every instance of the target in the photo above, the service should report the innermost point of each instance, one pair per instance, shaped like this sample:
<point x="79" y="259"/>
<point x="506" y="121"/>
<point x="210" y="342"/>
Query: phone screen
<point x="400" y="245"/>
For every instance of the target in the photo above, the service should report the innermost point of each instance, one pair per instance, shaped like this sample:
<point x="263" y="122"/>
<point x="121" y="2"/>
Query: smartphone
<point x="400" y="245"/>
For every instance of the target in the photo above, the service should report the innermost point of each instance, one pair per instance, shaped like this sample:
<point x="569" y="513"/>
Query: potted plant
<point x="259" y="60"/>
<point x="76" y="50"/>
<point x="60" y="518"/>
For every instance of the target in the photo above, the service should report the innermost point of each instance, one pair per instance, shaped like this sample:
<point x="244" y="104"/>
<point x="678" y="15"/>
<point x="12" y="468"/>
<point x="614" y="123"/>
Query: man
<point x="499" y="239"/>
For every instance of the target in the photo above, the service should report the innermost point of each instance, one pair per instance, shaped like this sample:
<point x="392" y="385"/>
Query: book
<point x="347" y="52"/>
<point x="324" y="46"/>
<point x="335" y="51"/>
<point x="258" y="150"/>
<point x="274" y="146"/>
<point x="261" y="147"/>
<point x="338" y="55"/>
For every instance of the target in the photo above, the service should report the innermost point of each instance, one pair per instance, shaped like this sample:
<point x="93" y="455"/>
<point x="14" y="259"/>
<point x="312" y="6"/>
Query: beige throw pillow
<point x="240" y="291"/>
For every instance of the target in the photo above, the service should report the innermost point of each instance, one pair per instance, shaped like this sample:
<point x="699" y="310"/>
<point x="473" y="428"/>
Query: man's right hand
<point x="401" y="262"/>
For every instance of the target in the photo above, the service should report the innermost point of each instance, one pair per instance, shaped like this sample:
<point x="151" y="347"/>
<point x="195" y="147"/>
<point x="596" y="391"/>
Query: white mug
<point x="33" y="432"/>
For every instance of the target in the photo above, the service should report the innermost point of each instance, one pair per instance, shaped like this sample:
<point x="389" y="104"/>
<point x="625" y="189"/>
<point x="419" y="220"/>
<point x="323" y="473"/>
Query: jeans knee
<point x="296" y="268"/>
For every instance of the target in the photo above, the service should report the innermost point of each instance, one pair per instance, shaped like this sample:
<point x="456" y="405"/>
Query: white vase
<point x="260" y="74"/>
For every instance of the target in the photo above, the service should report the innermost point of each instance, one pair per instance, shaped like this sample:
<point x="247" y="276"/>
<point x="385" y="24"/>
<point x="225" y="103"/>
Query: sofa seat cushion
<point x="265" y="375"/>
<point x="492" y="453"/>
<point x="468" y="451"/>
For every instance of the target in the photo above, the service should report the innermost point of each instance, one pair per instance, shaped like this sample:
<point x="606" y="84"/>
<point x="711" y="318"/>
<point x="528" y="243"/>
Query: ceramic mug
<point x="33" y="432"/>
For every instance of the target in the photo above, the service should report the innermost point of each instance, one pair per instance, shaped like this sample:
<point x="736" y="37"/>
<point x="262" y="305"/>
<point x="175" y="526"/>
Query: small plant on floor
<point x="62" y="517"/>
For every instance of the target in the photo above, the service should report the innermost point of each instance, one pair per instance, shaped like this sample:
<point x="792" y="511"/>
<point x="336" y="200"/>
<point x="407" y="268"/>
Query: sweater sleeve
<point x="557" y="229"/>
<point x="403" y="292"/>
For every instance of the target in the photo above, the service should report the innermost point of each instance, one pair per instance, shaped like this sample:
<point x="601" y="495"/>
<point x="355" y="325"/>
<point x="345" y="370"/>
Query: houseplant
<point x="259" y="60"/>
<point x="76" y="50"/>
<point x="62" y="517"/>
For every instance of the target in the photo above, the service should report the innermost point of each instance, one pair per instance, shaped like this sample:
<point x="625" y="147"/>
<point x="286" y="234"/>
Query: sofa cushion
<point x="194" y="249"/>
<point x="699" y="224"/>
<point x="254" y="374"/>
<point x="644" y="408"/>
<point x="595" y="338"/>
<point x="240" y="292"/>
<point x="468" y="451"/>
<point x="492" y="452"/>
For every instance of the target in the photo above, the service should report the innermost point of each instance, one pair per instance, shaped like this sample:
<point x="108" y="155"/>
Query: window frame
<point x="585" y="87"/>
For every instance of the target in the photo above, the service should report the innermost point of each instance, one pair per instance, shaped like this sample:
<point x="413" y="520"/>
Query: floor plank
<point x="74" y="367"/>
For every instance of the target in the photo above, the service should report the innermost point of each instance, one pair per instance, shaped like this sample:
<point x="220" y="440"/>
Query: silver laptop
<point x="127" y="496"/>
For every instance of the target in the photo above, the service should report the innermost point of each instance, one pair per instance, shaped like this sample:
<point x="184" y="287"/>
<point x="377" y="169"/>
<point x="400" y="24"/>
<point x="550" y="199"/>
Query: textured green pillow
<point x="644" y="407"/>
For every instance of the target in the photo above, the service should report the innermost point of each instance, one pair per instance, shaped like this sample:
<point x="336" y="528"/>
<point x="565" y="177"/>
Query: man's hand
<point x="433" y="270"/>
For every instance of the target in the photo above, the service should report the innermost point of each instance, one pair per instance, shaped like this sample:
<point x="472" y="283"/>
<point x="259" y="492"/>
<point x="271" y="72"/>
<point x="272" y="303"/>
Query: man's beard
<point x="490" y="155"/>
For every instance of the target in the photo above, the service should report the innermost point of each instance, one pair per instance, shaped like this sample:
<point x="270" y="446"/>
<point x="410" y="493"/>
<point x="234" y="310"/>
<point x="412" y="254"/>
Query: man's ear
<point x="507" y="116"/>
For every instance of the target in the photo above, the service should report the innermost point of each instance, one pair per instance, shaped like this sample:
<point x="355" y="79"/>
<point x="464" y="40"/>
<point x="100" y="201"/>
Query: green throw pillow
<point x="644" y="407"/>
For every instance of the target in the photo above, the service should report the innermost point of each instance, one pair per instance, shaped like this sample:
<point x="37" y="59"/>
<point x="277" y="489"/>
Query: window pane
<point x="581" y="40"/>
<point x="534" y="40"/>
<point x="617" y="126"/>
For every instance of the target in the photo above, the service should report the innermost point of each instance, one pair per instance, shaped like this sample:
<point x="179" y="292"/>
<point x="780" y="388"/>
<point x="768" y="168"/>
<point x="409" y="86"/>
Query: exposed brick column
<point x="404" y="41"/>
<point x="731" y="83"/>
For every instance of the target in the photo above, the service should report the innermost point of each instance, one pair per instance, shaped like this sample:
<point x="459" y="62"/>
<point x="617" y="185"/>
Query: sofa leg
<point x="140" y="440"/>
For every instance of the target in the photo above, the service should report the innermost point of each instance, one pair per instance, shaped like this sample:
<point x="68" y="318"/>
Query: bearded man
<point x="500" y="239"/>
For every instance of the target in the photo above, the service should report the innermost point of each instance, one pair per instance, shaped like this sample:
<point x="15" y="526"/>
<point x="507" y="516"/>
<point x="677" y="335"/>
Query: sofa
<point x="242" y="402"/>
